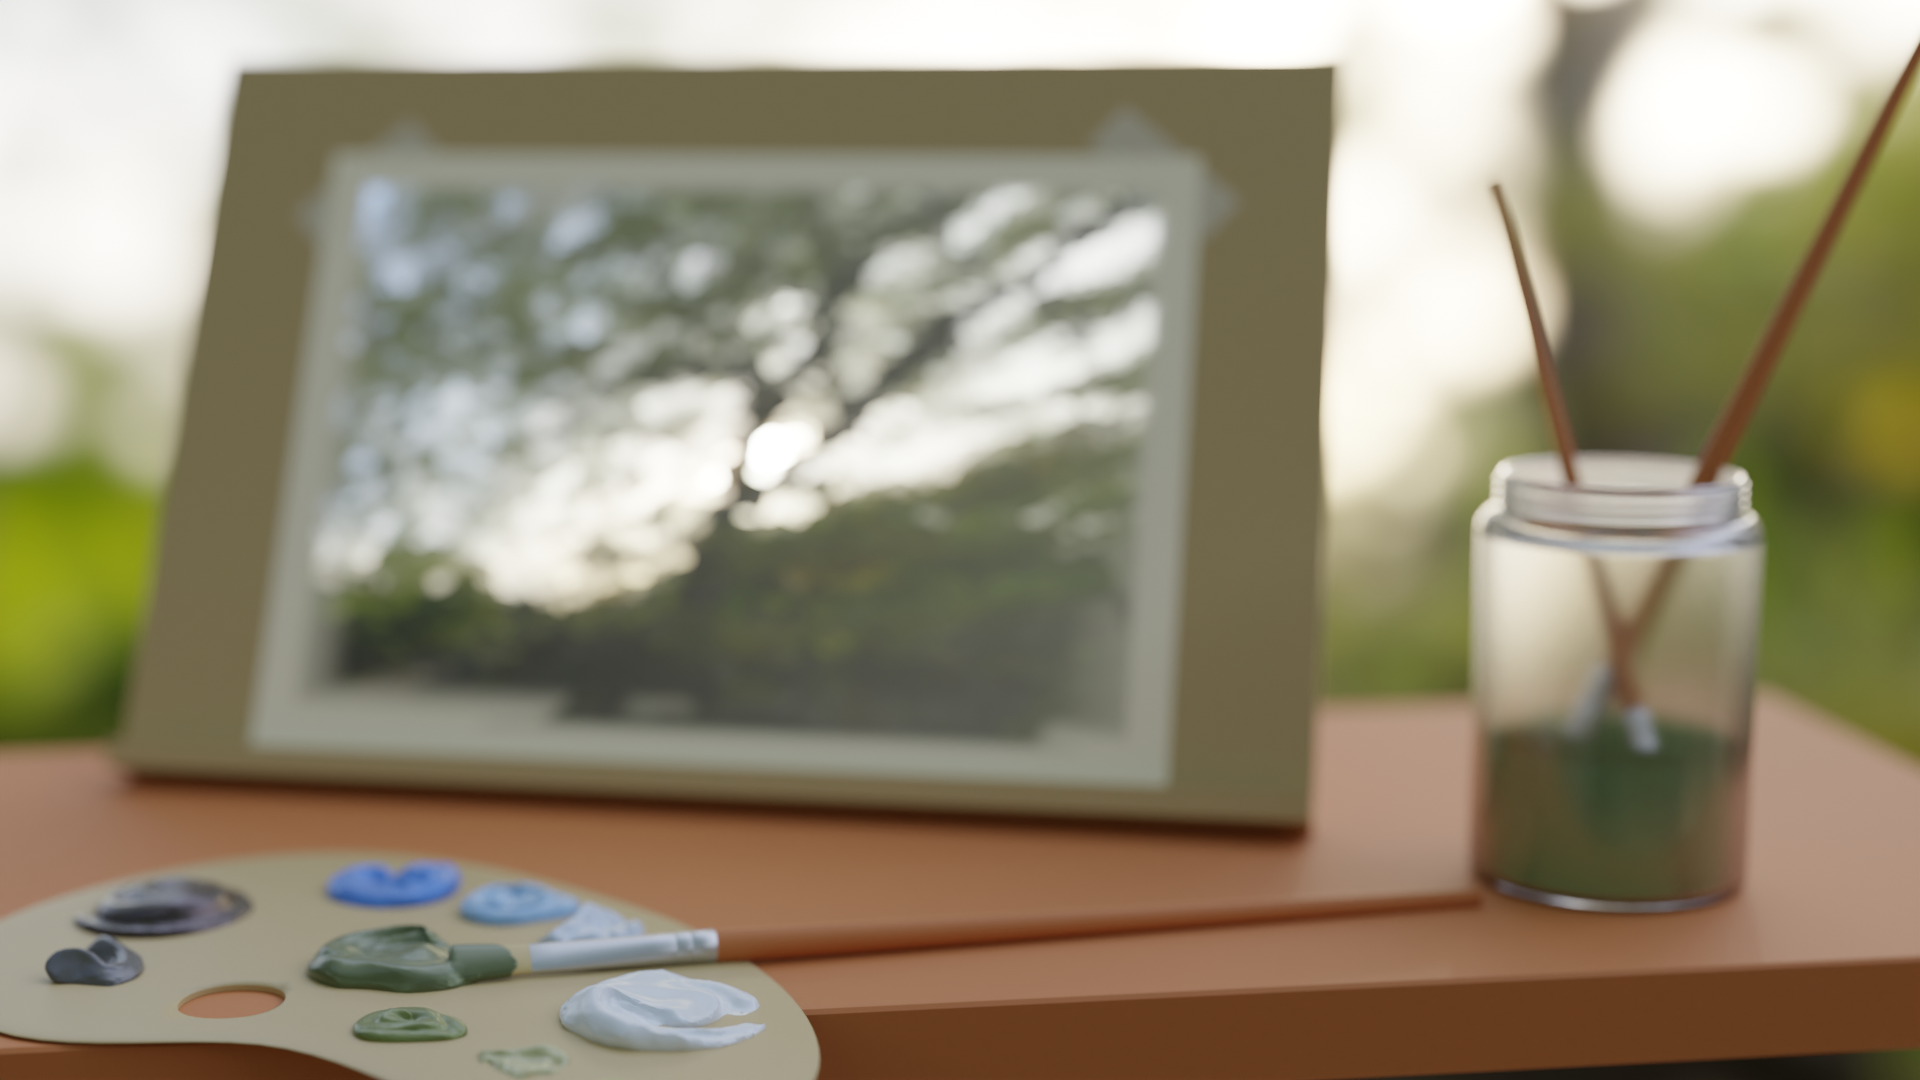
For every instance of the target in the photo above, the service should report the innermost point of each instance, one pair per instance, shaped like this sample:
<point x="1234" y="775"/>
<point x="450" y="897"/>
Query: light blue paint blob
<point x="505" y="902"/>
<point x="593" y="922"/>
<point x="375" y="884"/>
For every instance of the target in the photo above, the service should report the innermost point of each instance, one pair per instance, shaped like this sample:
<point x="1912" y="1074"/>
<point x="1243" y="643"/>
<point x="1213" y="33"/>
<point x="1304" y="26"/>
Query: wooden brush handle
<point x="887" y="936"/>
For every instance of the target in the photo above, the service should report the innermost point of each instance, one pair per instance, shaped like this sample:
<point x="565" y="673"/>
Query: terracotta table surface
<point x="1819" y="954"/>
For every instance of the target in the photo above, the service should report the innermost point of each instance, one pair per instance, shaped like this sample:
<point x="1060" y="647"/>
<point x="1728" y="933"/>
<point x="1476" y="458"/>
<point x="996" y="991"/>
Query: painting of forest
<point x="858" y="456"/>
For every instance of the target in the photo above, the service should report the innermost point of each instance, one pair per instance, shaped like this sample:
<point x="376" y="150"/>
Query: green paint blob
<point x="526" y="1061"/>
<point x="1592" y="817"/>
<point x="405" y="960"/>
<point x="408" y="1025"/>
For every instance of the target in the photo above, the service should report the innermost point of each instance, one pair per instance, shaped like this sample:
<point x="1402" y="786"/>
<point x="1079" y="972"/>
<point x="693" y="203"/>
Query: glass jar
<point x="1614" y="627"/>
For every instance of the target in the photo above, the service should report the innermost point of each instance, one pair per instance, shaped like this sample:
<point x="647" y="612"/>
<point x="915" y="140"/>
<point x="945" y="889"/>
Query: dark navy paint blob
<point x="106" y="962"/>
<point x="375" y="884"/>
<point x="507" y="902"/>
<point x="164" y="906"/>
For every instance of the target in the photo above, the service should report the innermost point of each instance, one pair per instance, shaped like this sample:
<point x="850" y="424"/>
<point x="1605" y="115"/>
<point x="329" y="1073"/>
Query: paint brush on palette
<point x="890" y="935"/>
<point x="409" y="959"/>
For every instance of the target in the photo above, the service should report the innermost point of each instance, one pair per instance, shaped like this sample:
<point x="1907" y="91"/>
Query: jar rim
<point x="1620" y="489"/>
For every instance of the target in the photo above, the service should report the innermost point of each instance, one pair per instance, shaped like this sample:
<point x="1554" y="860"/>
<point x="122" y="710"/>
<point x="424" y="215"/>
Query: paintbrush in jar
<point x="1737" y="413"/>
<point x="1616" y="677"/>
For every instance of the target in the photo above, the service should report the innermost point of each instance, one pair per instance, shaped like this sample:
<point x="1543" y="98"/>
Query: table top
<point x="1820" y="952"/>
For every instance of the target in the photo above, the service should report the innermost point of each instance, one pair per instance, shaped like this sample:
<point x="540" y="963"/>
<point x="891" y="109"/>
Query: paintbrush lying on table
<point x="408" y="959"/>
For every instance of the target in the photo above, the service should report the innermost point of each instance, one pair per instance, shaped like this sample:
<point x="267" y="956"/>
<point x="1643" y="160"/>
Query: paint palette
<point x="245" y="982"/>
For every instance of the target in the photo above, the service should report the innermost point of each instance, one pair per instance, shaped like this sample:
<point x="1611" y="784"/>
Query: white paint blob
<point x="657" y="1009"/>
<point x="593" y="922"/>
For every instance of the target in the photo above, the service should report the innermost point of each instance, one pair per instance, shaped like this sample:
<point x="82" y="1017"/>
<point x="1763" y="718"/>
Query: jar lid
<point x="1620" y="489"/>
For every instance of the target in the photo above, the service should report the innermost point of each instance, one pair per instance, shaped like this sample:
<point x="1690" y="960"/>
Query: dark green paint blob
<point x="408" y="1024"/>
<point x="405" y="960"/>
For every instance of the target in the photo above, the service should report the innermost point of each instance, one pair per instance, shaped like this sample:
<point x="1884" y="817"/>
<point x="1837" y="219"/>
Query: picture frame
<point x="937" y="441"/>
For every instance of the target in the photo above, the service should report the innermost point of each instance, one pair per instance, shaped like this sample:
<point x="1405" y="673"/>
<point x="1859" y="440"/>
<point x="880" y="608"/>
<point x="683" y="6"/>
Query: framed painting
<point x="942" y="441"/>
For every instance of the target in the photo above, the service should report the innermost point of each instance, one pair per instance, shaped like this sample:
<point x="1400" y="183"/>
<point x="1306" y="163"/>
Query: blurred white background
<point x="113" y="121"/>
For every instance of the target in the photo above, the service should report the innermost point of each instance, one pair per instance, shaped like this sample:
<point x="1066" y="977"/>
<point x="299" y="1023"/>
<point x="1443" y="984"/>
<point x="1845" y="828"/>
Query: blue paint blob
<point x="375" y="884"/>
<point x="505" y="902"/>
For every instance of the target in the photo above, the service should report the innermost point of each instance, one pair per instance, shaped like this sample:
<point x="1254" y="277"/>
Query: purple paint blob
<point x="168" y="905"/>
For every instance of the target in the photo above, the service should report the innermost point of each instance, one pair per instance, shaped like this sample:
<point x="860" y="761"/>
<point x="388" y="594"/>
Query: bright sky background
<point x="113" y="114"/>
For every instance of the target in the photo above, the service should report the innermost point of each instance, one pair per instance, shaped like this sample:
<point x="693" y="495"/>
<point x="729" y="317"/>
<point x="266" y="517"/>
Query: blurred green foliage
<point x="1395" y="620"/>
<point x="74" y="558"/>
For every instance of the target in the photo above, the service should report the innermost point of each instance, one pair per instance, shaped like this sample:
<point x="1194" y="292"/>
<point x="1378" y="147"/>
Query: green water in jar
<point x="1590" y="816"/>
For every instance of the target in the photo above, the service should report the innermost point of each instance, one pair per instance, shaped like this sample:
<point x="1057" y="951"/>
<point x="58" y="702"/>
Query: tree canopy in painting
<point x="856" y="456"/>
